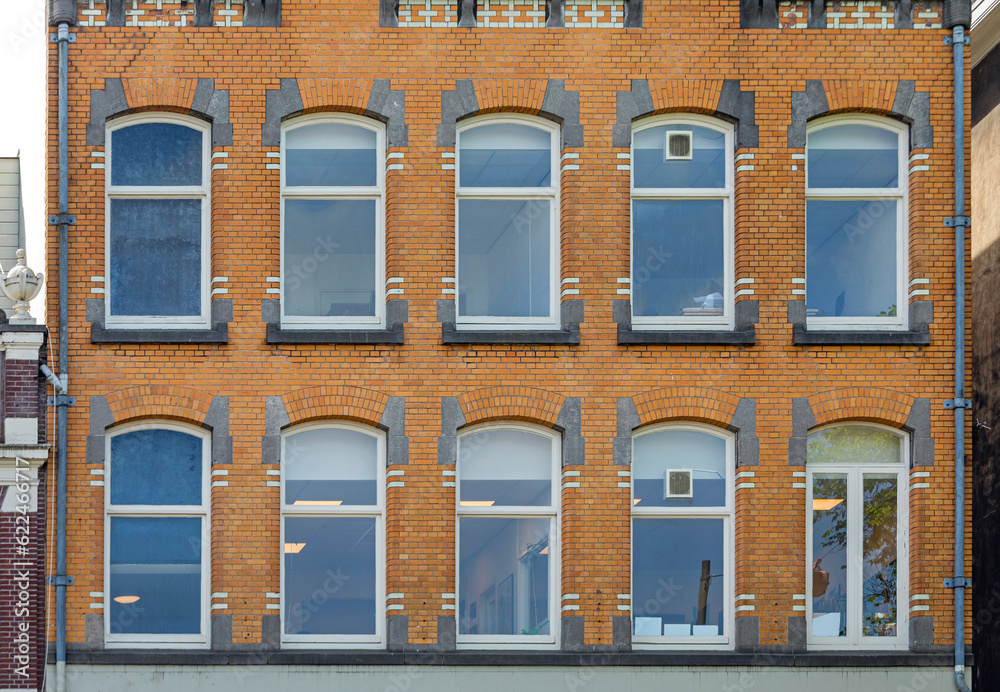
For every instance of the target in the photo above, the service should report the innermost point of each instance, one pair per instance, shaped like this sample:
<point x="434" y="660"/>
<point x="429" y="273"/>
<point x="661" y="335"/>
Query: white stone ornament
<point x="21" y="285"/>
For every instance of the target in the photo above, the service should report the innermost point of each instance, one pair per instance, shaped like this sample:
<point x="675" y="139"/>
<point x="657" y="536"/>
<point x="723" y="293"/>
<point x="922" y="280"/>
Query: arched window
<point x="332" y="526"/>
<point x="682" y="223"/>
<point x="332" y="221"/>
<point x="156" y="535"/>
<point x="857" y="519"/>
<point x="507" y="205"/>
<point x="508" y="536"/>
<point x="855" y="223"/>
<point x="682" y="552"/>
<point x="157" y="222"/>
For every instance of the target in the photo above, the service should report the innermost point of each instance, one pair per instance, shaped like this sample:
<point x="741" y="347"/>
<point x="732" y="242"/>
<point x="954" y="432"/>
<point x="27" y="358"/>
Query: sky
<point x="23" y="37"/>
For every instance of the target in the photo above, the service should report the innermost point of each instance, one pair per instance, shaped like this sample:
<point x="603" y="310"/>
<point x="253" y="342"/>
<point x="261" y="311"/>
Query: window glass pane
<point x="505" y="468"/>
<point x="156" y="467"/>
<point x="503" y="576"/>
<point x="504" y="254"/>
<point x="678" y="258"/>
<point x="851" y="258"/>
<point x="656" y="454"/>
<point x="155" y="577"/>
<point x="331" y="467"/>
<point x="853" y="156"/>
<point x="879" y="601"/>
<point x="331" y="154"/>
<point x="850" y="444"/>
<point x="505" y="156"/>
<point x="678" y="577"/>
<point x="155" y="257"/>
<point x="329" y="248"/>
<point x="156" y="154"/>
<point x="707" y="167"/>
<point x="829" y="569"/>
<point x="330" y="575"/>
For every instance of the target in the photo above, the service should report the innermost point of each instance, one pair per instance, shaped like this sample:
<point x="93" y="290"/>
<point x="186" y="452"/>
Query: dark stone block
<point x="397" y="632"/>
<point x="222" y="632"/>
<point x="572" y="629"/>
<point x="747" y="632"/>
<point x="621" y="632"/>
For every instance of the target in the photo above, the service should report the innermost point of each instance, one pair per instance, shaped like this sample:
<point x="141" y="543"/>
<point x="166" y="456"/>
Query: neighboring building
<point x="431" y="346"/>
<point x="985" y="345"/>
<point x="24" y="473"/>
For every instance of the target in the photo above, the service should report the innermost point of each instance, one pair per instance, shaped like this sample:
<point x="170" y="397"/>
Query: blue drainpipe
<point x="62" y="13"/>
<point x="958" y="17"/>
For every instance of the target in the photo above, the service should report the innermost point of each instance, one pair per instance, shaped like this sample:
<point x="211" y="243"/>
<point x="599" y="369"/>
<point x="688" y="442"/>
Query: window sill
<point x="628" y="336"/>
<point x="801" y="336"/>
<point x="392" y="335"/>
<point x="99" y="334"/>
<point x="569" y="334"/>
<point x="571" y="315"/>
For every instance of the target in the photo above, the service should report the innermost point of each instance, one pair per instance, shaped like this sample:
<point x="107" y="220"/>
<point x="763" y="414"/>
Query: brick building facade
<point x="318" y="245"/>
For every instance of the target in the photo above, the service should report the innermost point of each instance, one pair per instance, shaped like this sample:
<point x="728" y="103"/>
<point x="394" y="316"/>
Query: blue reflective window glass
<point x="331" y="467"/>
<point x="505" y="155"/>
<point x="329" y="253"/>
<point x="504" y="254"/>
<point x="853" y="156"/>
<point x="156" y="467"/>
<point x="331" y="155"/>
<point x="155" y="262"/>
<point x="156" y="154"/>
<point x="654" y="454"/>
<point x="678" y="258"/>
<point x="330" y="575"/>
<point x="504" y="571"/>
<point x="851" y="258"/>
<point x="706" y="168"/>
<point x="505" y="468"/>
<point x="678" y="577"/>
<point x="155" y="575"/>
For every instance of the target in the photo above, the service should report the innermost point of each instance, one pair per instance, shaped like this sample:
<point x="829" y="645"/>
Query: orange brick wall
<point x="335" y="49"/>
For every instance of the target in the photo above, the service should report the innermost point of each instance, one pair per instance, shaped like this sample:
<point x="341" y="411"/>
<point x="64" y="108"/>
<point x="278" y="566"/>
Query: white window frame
<point x="726" y="641"/>
<point x="855" y="494"/>
<point x="202" y="511"/>
<point x="359" y="192"/>
<point x="727" y="320"/>
<point x="899" y="194"/>
<point x="549" y="194"/>
<point x="202" y="192"/>
<point x="553" y="512"/>
<point x="339" y="641"/>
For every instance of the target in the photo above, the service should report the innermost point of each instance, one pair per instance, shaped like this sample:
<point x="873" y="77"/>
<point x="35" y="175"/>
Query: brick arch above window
<point x="373" y="98"/>
<point x="723" y="99"/>
<point x="513" y="403"/>
<point x="694" y="404"/>
<point x="870" y="404"/>
<point x="161" y="402"/>
<point x="340" y="403"/>
<point x="197" y="97"/>
<point x="546" y="99"/>
<point x="336" y="403"/>
<point x="898" y="100"/>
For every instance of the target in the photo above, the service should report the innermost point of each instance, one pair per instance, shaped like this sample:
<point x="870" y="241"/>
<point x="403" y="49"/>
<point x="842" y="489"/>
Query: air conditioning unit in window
<point x="679" y="484"/>
<point x="679" y="146"/>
